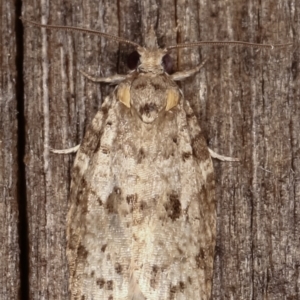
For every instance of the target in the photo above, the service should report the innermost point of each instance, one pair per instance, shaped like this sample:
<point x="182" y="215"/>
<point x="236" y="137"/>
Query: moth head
<point x="156" y="61"/>
<point x="150" y="58"/>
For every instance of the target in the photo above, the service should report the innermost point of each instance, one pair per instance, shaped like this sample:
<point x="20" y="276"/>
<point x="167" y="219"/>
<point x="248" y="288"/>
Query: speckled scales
<point x="141" y="223"/>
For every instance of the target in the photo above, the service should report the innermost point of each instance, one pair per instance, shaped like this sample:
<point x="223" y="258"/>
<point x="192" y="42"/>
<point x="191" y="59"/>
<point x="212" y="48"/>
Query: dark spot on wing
<point x="103" y="248"/>
<point x="97" y="148"/>
<point x="82" y="253"/>
<point x="92" y="273"/>
<point x="181" y="286"/>
<point x="91" y="140"/>
<point x="131" y="199"/>
<point x="143" y="205"/>
<point x="83" y="183"/>
<point x="191" y="115"/>
<point x="173" y="290"/>
<point x="104" y="110"/>
<point x="180" y="251"/>
<point x="141" y="155"/>
<point x="118" y="268"/>
<point x="153" y="280"/>
<point x="110" y="285"/>
<point x="210" y="179"/>
<point x="173" y="207"/>
<point x="155" y="269"/>
<point x="105" y="150"/>
<point x="110" y="204"/>
<point x="199" y="146"/>
<point x="100" y="282"/>
<point x="186" y="155"/>
<point x="99" y="201"/>
<point x="117" y="190"/>
<point x="200" y="257"/>
<point x="80" y="193"/>
<point x="113" y="200"/>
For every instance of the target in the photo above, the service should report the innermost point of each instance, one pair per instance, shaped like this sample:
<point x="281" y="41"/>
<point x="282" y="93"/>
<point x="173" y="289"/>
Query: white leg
<point x="66" y="151"/>
<point x="221" y="157"/>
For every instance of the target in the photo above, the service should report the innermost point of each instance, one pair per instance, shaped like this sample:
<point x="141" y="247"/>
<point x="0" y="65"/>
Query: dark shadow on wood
<point x="22" y="201"/>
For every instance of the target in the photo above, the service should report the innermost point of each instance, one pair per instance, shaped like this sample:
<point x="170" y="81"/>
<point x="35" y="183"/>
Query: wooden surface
<point x="9" y="163"/>
<point x="247" y="100"/>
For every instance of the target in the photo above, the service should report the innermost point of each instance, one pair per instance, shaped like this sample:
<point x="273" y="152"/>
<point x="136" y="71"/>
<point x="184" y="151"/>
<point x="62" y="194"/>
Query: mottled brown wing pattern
<point x="79" y="191"/>
<point x="142" y="218"/>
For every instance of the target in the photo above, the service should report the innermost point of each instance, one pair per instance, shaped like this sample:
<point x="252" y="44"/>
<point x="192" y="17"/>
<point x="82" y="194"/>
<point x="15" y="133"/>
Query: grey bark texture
<point x="9" y="209"/>
<point x="247" y="100"/>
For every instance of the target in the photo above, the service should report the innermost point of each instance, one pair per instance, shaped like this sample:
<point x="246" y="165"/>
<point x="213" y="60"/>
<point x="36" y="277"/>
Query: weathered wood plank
<point x="9" y="169"/>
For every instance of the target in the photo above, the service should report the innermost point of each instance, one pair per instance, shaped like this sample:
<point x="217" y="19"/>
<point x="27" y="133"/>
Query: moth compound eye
<point x="167" y="63"/>
<point x="133" y="60"/>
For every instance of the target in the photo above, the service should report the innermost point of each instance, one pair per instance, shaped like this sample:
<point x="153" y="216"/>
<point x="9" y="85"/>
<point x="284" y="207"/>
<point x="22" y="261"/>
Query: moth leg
<point x="185" y="74"/>
<point x="66" y="151"/>
<point x="115" y="79"/>
<point x="221" y="157"/>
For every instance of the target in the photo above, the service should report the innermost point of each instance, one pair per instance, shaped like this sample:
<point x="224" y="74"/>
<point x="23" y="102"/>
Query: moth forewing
<point x="141" y="223"/>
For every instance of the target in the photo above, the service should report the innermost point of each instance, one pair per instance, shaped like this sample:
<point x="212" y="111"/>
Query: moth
<point x="142" y="217"/>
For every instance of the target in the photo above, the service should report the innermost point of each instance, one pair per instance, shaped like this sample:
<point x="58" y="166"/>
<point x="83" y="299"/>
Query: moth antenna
<point x="78" y="29"/>
<point x="228" y="43"/>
